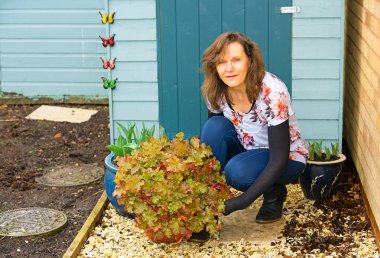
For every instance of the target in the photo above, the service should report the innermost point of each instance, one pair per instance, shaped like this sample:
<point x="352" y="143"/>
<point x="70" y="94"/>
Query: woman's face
<point x="232" y="65"/>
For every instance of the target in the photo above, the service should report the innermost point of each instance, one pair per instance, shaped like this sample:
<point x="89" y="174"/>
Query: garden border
<point x="77" y="245"/>
<point x="92" y="220"/>
<point x="371" y="217"/>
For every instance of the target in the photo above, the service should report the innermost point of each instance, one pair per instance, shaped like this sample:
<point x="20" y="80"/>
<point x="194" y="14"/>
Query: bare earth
<point x="28" y="148"/>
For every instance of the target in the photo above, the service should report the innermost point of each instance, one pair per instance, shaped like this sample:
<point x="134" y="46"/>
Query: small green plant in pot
<point x="322" y="170"/>
<point x="129" y="139"/>
<point x="174" y="188"/>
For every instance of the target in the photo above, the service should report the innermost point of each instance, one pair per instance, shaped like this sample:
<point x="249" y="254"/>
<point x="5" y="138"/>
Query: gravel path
<point x="307" y="234"/>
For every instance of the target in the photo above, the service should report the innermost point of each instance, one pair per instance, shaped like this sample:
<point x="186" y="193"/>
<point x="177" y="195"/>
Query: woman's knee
<point x="242" y="170"/>
<point x="235" y="176"/>
<point x="216" y="127"/>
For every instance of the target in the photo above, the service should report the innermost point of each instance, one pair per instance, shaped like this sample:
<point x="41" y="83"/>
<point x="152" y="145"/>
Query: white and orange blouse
<point x="272" y="107"/>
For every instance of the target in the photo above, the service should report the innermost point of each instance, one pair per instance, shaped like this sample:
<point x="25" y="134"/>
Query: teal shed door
<point x="186" y="28"/>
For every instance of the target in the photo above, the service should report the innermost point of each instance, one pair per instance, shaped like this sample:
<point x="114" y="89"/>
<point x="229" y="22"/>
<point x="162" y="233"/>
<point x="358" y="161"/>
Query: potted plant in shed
<point x="322" y="171"/>
<point x="174" y="188"/>
<point x="129" y="139"/>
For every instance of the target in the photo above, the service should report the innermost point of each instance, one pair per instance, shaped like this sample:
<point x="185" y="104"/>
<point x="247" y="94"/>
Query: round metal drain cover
<point x="31" y="222"/>
<point x="71" y="175"/>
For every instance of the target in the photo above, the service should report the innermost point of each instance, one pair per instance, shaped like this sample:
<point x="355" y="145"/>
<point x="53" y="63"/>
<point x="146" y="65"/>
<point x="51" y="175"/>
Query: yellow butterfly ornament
<point x="107" y="18"/>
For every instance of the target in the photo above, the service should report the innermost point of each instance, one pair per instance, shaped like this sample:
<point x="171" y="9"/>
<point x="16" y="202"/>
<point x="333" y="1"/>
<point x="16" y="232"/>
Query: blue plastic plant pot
<point x="319" y="178"/>
<point x="109" y="185"/>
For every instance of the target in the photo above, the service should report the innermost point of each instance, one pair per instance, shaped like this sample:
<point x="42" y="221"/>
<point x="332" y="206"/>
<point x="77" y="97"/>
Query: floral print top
<point x="272" y="107"/>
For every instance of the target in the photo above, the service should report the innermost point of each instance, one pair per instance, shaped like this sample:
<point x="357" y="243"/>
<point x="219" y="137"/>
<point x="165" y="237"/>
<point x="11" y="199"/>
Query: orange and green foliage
<point x="173" y="187"/>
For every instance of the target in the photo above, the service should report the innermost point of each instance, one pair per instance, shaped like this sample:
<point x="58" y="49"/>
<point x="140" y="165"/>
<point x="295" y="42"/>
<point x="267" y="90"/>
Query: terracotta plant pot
<point x="159" y="237"/>
<point x="109" y="185"/>
<point x="319" y="178"/>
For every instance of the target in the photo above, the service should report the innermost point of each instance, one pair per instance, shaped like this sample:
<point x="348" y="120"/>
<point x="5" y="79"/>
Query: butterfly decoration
<point x="109" y="83"/>
<point x="108" y="64"/>
<point x="107" y="18"/>
<point x="108" y="42"/>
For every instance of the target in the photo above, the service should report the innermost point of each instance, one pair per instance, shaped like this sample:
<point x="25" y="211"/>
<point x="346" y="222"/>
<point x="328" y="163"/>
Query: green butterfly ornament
<point x="109" y="83"/>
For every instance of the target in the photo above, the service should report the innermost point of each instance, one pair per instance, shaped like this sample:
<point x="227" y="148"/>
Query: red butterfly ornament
<point x="108" y="42"/>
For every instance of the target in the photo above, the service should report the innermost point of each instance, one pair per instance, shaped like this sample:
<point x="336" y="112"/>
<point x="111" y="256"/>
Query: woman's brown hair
<point x="213" y="88"/>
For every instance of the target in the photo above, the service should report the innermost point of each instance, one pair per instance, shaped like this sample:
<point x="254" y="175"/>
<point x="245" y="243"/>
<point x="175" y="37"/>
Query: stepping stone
<point x="241" y="224"/>
<point x="71" y="175"/>
<point x="31" y="222"/>
<point x="62" y="114"/>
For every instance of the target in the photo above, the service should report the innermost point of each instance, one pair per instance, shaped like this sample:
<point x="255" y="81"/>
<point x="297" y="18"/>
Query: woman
<point x="252" y="127"/>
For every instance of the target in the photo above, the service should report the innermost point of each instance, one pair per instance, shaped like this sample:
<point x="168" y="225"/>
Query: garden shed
<point x="159" y="45"/>
<point x="50" y="51"/>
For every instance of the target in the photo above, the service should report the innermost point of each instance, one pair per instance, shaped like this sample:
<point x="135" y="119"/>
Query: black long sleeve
<point x="279" y="145"/>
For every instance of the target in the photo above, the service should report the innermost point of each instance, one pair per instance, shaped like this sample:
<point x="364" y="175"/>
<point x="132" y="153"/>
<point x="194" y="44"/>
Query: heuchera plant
<point x="174" y="188"/>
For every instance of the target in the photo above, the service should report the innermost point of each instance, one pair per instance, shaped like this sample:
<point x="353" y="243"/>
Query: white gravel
<point x="116" y="236"/>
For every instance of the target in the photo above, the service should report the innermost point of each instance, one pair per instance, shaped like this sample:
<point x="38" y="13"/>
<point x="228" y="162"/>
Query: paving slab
<point x="71" y="175"/>
<point x="241" y="225"/>
<point x="62" y="114"/>
<point x="31" y="221"/>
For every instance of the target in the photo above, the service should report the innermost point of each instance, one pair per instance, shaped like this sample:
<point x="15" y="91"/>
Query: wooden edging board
<point x="94" y="217"/>
<point x="374" y="226"/>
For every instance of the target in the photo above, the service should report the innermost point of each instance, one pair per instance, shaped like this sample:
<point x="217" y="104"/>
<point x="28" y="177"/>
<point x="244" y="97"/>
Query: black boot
<point x="271" y="209"/>
<point x="200" y="237"/>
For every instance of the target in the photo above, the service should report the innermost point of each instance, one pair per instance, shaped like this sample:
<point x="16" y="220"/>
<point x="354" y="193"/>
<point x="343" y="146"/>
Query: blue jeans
<point x="241" y="166"/>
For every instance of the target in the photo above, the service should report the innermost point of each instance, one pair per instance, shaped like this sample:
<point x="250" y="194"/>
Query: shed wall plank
<point x="51" y="75"/>
<point x="316" y="89"/>
<point x="168" y="53"/>
<point x="316" y="69"/>
<point x="46" y="17"/>
<point x="138" y="110"/>
<point x="188" y="43"/>
<point x="316" y="28"/>
<point x="53" y="46"/>
<point x="135" y="50"/>
<point x="233" y="14"/>
<point x="311" y="129"/>
<point x="137" y="91"/>
<point x="320" y="48"/>
<point x="133" y="9"/>
<point x="316" y="109"/>
<point x="135" y="29"/>
<point x="318" y="8"/>
<point x="135" y="71"/>
<point x="54" y="88"/>
<point x="51" y="61"/>
<point x="46" y="4"/>
<point x="210" y="19"/>
<point x="26" y="31"/>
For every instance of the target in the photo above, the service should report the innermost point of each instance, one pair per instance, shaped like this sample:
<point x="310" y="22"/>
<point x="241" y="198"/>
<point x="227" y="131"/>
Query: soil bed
<point x="28" y="148"/>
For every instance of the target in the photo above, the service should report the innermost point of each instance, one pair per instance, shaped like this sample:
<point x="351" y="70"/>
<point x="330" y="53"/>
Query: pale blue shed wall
<point x="51" y="48"/>
<point x="317" y="68"/>
<point x="135" y="98"/>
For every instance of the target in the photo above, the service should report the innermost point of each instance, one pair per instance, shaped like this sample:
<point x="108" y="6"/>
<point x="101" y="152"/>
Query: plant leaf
<point x="162" y="131"/>
<point x="115" y="149"/>
<point x="328" y="153"/>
